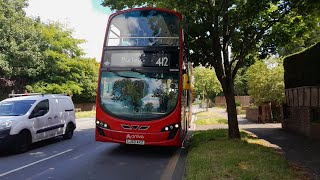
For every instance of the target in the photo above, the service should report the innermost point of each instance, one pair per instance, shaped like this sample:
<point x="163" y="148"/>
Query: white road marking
<point x="31" y="164"/>
<point x="171" y="166"/>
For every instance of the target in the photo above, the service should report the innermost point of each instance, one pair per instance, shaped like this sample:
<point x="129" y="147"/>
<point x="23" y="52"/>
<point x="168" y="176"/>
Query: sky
<point x="87" y="18"/>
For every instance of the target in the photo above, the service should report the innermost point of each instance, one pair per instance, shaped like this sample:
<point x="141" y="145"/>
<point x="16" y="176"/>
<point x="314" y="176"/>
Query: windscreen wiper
<point x="110" y="70"/>
<point x="149" y="74"/>
<point x="135" y="70"/>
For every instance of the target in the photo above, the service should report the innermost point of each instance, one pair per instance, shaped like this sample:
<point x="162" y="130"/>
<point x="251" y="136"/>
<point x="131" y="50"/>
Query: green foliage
<point x="65" y="70"/>
<point x="206" y="82"/>
<point x="78" y="78"/>
<point x="240" y="83"/>
<point x="302" y="69"/>
<point x="266" y="81"/>
<point x="167" y="101"/>
<point x="125" y="91"/>
<point x="238" y="103"/>
<point x="59" y="39"/>
<point x="19" y="42"/>
<point x="20" y="55"/>
<point x="302" y="32"/>
<point x="148" y="107"/>
<point x="42" y="57"/>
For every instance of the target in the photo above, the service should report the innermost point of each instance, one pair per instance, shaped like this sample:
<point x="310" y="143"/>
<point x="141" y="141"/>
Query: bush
<point x="238" y="103"/>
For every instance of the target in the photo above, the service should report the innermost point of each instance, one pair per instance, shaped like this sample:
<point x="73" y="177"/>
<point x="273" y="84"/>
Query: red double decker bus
<point x="144" y="95"/>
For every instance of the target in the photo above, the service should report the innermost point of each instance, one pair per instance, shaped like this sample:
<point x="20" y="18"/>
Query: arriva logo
<point x="134" y="136"/>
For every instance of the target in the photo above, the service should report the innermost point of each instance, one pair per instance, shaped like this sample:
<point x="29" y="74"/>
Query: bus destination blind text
<point x="138" y="59"/>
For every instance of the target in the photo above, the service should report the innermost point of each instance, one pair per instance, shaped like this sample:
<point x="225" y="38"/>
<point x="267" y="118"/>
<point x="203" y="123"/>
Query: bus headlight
<point x="6" y="124"/>
<point x="101" y="124"/>
<point x="172" y="129"/>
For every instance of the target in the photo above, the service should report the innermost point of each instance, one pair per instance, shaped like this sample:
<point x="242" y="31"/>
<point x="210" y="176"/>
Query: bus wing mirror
<point x="186" y="82"/>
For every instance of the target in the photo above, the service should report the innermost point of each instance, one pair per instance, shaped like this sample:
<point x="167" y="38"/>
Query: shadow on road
<point x="49" y="144"/>
<point x="143" y="151"/>
<point x="296" y="148"/>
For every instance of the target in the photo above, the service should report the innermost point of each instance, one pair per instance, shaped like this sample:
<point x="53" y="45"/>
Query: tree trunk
<point x="207" y="105"/>
<point x="233" y="126"/>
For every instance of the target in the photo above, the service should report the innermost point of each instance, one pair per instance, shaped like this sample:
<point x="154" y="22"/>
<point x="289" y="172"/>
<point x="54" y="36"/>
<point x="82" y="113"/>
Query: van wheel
<point x="69" y="131"/>
<point x="23" y="142"/>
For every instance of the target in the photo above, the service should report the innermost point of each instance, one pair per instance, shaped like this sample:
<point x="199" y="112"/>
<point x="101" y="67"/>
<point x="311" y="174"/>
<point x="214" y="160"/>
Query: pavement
<point x="302" y="152"/>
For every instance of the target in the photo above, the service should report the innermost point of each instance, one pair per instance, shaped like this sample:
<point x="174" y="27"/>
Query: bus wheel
<point x="23" y="142"/>
<point x="69" y="131"/>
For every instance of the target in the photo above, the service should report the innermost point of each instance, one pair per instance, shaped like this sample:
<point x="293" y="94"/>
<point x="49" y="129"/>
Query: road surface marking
<point x="171" y="166"/>
<point x="31" y="164"/>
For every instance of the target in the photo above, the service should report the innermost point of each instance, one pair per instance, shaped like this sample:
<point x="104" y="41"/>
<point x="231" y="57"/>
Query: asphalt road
<point x="84" y="158"/>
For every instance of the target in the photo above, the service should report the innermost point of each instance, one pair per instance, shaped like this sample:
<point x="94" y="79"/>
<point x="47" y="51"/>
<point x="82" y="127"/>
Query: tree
<point x="167" y="99"/>
<point x="20" y="56"/>
<point x="148" y="107"/>
<point x="206" y="83"/>
<point x="42" y="57"/>
<point x="241" y="83"/>
<point x="300" y="36"/>
<point x="246" y="26"/>
<point x="130" y="92"/>
<point x="266" y="81"/>
<point x="65" y="71"/>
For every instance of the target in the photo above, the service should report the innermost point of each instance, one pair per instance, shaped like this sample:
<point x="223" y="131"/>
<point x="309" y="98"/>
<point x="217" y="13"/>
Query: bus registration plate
<point x="139" y="142"/>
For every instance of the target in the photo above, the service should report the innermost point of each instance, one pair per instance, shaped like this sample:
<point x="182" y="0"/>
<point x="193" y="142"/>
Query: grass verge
<point x="211" y="155"/>
<point x="210" y="121"/>
<point x="86" y="114"/>
<point x="209" y="118"/>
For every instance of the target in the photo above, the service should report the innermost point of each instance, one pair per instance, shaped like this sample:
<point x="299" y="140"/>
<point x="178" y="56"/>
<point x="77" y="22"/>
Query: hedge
<point x="303" y="69"/>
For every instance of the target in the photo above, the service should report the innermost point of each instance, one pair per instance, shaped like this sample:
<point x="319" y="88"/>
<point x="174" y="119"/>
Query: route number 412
<point x="163" y="61"/>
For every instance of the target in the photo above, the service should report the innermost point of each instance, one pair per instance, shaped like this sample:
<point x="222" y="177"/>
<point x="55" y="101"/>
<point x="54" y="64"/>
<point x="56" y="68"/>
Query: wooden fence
<point x="221" y="100"/>
<point x="85" y="106"/>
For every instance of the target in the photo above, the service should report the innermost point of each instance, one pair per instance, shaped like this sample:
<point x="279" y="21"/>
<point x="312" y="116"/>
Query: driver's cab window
<point x="41" y="108"/>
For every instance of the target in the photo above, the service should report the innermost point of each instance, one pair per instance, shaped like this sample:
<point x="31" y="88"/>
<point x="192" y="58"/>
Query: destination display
<point x="139" y="58"/>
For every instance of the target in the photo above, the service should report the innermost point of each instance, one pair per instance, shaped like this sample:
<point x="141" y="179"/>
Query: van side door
<point x="68" y="110"/>
<point x="40" y="117"/>
<point x="57" y="123"/>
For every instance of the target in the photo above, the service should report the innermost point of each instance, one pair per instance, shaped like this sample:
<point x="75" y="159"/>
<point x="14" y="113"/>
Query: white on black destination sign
<point x="137" y="58"/>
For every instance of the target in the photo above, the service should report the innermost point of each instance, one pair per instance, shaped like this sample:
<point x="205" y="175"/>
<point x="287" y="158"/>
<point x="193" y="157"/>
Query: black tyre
<point x="23" y="142"/>
<point x="69" y="131"/>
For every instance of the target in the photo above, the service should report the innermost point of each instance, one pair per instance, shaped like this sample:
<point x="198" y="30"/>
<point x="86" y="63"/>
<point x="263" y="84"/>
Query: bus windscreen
<point x="144" y="28"/>
<point x="139" y="96"/>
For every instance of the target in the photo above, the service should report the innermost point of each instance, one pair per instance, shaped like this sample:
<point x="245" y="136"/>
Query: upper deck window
<point x="144" y="28"/>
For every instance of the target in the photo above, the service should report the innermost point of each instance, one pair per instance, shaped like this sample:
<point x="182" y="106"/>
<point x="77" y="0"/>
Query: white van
<point x="28" y="119"/>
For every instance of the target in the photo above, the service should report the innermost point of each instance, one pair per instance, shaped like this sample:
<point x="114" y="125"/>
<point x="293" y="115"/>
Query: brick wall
<point x="298" y="120"/>
<point x="315" y="130"/>
<point x="299" y="103"/>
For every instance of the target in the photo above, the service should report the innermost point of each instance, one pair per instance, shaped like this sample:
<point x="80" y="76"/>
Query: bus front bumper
<point x="153" y="139"/>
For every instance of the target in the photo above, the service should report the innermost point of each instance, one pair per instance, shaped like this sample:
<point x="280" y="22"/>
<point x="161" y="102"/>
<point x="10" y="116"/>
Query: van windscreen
<point x="15" y="108"/>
